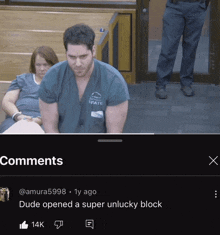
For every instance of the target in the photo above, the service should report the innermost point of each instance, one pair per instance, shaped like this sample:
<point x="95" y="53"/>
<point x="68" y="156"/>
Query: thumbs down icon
<point x="58" y="223"/>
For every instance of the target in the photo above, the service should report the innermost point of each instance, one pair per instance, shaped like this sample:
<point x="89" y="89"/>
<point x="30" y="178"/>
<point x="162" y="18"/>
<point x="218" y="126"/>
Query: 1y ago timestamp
<point x="56" y="191"/>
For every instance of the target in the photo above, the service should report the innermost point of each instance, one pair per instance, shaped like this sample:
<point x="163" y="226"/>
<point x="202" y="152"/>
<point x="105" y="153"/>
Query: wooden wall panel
<point x="124" y="47"/>
<point x="23" y="31"/>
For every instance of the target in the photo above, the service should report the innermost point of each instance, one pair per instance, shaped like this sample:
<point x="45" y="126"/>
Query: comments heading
<point x="4" y="161"/>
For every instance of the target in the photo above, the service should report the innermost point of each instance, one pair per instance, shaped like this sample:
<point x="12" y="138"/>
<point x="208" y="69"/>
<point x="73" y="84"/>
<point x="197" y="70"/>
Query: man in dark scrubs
<point x="82" y="94"/>
<point x="181" y="17"/>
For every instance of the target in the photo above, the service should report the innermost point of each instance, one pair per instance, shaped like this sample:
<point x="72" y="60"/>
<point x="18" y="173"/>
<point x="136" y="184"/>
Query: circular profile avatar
<point x="4" y="194"/>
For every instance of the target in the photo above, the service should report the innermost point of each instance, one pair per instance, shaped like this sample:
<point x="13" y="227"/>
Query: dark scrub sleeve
<point x="48" y="88"/>
<point x="118" y="92"/>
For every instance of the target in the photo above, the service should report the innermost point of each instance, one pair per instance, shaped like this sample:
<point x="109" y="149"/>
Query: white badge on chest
<point x="97" y="114"/>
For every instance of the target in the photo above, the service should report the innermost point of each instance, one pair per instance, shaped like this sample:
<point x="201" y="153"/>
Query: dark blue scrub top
<point x="106" y="87"/>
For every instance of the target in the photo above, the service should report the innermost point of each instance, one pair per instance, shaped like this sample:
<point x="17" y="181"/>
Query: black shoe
<point x="187" y="91"/>
<point x="161" y="93"/>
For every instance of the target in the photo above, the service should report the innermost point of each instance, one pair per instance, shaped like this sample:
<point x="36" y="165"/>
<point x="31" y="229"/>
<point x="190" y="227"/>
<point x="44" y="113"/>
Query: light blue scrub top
<point x="106" y="87"/>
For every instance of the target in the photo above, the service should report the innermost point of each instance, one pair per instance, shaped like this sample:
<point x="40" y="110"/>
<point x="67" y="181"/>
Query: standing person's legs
<point x="195" y="17"/>
<point x="173" y="26"/>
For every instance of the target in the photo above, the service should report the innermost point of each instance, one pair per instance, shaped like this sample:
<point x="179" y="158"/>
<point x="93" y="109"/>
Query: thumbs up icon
<point x="24" y="225"/>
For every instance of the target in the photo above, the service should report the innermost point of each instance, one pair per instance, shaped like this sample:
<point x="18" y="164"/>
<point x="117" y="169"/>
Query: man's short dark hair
<point x="79" y="34"/>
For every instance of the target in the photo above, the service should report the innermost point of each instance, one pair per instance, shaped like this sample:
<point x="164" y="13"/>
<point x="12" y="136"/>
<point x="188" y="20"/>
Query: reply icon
<point x="89" y="223"/>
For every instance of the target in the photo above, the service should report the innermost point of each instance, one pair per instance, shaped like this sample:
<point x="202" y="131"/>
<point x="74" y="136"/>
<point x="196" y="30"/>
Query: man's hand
<point x="37" y="120"/>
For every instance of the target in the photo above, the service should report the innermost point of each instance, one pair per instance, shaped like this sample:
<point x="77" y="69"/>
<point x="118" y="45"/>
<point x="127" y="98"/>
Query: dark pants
<point x="181" y="18"/>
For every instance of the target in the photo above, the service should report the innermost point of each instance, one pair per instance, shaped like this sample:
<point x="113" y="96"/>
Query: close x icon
<point x="213" y="160"/>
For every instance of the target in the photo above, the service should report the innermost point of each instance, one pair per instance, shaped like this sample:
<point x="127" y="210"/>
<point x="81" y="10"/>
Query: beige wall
<point x="156" y="11"/>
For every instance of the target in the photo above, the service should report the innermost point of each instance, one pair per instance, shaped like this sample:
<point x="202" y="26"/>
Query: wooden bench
<point x="3" y="88"/>
<point x="22" y="29"/>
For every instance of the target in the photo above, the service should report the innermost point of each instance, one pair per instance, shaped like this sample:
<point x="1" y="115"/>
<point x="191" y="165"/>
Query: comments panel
<point x="98" y="204"/>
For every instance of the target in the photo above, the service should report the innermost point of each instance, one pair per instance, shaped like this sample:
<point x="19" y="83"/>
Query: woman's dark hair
<point x="79" y="34"/>
<point x="47" y="53"/>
